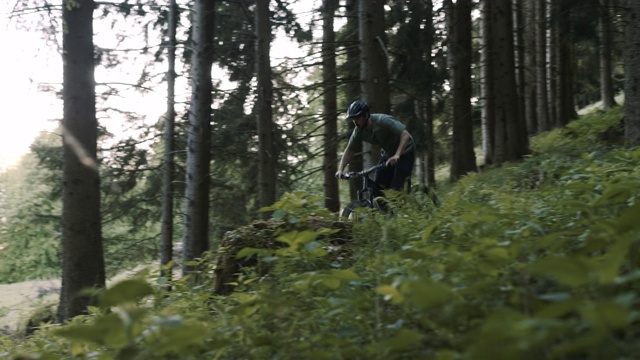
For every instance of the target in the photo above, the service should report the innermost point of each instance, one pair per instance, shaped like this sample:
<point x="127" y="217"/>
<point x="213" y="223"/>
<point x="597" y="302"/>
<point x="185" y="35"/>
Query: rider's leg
<point x="383" y="176"/>
<point x="402" y="171"/>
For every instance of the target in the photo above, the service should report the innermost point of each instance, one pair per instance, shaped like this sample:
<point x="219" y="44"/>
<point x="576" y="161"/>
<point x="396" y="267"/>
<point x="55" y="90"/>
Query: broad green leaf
<point x="574" y="204"/>
<point x="425" y="294"/>
<point x="312" y="245"/>
<point x="628" y="219"/>
<point x="125" y="291"/>
<point x="278" y="215"/>
<point x="244" y="297"/>
<point x="555" y="297"/>
<point x="558" y="309"/>
<point x="319" y="252"/>
<point x="77" y="349"/>
<point x="630" y="277"/>
<point x="426" y="233"/>
<point x="607" y="315"/>
<point x="500" y="254"/>
<point x="247" y="252"/>
<point x="478" y="217"/>
<point x="345" y="275"/>
<point x="457" y="228"/>
<point x="105" y="330"/>
<point x="445" y="354"/>
<point x="178" y="336"/>
<point x="330" y="282"/>
<point x="618" y="192"/>
<point x="572" y="271"/>
<point x="609" y="265"/>
<point x="404" y="339"/>
<point x="412" y="254"/>
<point x="390" y="293"/>
<point x="550" y="241"/>
<point x="297" y="238"/>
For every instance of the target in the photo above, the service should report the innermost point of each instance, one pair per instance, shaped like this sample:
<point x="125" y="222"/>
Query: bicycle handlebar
<point x="358" y="174"/>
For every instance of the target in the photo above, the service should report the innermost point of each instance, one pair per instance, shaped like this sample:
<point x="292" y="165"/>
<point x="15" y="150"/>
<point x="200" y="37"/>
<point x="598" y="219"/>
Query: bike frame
<point x="366" y="196"/>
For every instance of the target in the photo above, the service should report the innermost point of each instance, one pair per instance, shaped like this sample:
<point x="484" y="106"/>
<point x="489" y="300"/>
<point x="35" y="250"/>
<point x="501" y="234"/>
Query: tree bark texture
<point x="553" y="67"/>
<point x="196" y="219"/>
<point x="330" y="159"/>
<point x="352" y="87"/>
<point x="429" y="108"/>
<point x="463" y="158"/>
<point x="542" y="101"/>
<point x="566" y="66"/>
<point x="82" y="249"/>
<point x="166" y="249"/>
<point x="266" y="152"/>
<point x="374" y="71"/>
<point x="605" y="51"/>
<point x="530" y="66"/>
<point x="518" y="28"/>
<point x="632" y="72"/>
<point x="509" y="127"/>
<point x="487" y="91"/>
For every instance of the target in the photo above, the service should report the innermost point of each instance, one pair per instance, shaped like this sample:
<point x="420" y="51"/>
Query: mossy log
<point x="262" y="235"/>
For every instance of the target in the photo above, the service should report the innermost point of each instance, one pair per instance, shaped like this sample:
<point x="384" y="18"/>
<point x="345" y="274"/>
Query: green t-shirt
<point x="384" y="131"/>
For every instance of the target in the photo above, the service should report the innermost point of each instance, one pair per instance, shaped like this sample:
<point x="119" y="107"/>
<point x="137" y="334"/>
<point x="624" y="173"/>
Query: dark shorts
<point x="396" y="177"/>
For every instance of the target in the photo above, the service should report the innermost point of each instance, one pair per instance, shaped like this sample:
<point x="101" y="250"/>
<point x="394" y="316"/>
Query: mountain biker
<point x="388" y="133"/>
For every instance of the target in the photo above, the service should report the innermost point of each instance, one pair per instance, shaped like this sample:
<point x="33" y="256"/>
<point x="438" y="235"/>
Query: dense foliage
<point x="534" y="260"/>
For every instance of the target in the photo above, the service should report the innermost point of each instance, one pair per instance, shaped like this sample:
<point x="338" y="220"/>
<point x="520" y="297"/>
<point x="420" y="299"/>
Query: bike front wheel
<point x="348" y="213"/>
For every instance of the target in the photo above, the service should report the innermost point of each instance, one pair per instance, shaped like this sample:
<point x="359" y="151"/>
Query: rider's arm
<point x="346" y="157"/>
<point x="404" y="139"/>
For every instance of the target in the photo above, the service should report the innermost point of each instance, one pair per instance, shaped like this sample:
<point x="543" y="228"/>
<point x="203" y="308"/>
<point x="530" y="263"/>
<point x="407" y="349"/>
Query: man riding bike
<point x="388" y="133"/>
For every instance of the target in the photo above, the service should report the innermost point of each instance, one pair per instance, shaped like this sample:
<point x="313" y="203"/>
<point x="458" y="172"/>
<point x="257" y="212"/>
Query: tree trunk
<point x="196" y="220"/>
<point x="606" y="64"/>
<point x="374" y="71"/>
<point x="463" y="159"/>
<point x="553" y="105"/>
<point x="520" y="48"/>
<point x="487" y="91"/>
<point x="429" y="165"/>
<point x="509" y="129"/>
<point x="352" y="88"/>
<point x="520" y="127"/>
<point x="530" y="67"/>
<point x="566" y="69"/>
<point x="82" y="249"/>
<point x="166" y="249"/>
<point x="542" y="101"/>
<point x="266" y="154"/>
<point x="632" y="73"/>
<point x="330" y="160"/>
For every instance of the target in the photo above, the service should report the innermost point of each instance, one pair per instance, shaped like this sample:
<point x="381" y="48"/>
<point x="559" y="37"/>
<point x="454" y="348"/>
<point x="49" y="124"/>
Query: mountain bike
<point x="371" y="196"/>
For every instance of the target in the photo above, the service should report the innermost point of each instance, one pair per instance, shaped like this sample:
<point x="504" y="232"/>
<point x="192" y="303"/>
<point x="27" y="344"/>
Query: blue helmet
<point x="357" y="108"/>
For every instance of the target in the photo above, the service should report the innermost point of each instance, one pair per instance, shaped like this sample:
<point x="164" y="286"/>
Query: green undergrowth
<point x="533" y="260"/>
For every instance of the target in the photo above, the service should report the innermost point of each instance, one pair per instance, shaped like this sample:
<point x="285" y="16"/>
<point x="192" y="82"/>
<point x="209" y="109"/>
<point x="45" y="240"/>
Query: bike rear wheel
<point x="428" y="192"/>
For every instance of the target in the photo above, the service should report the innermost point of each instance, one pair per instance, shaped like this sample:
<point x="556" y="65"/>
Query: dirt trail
<point x="19" y="300"/>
